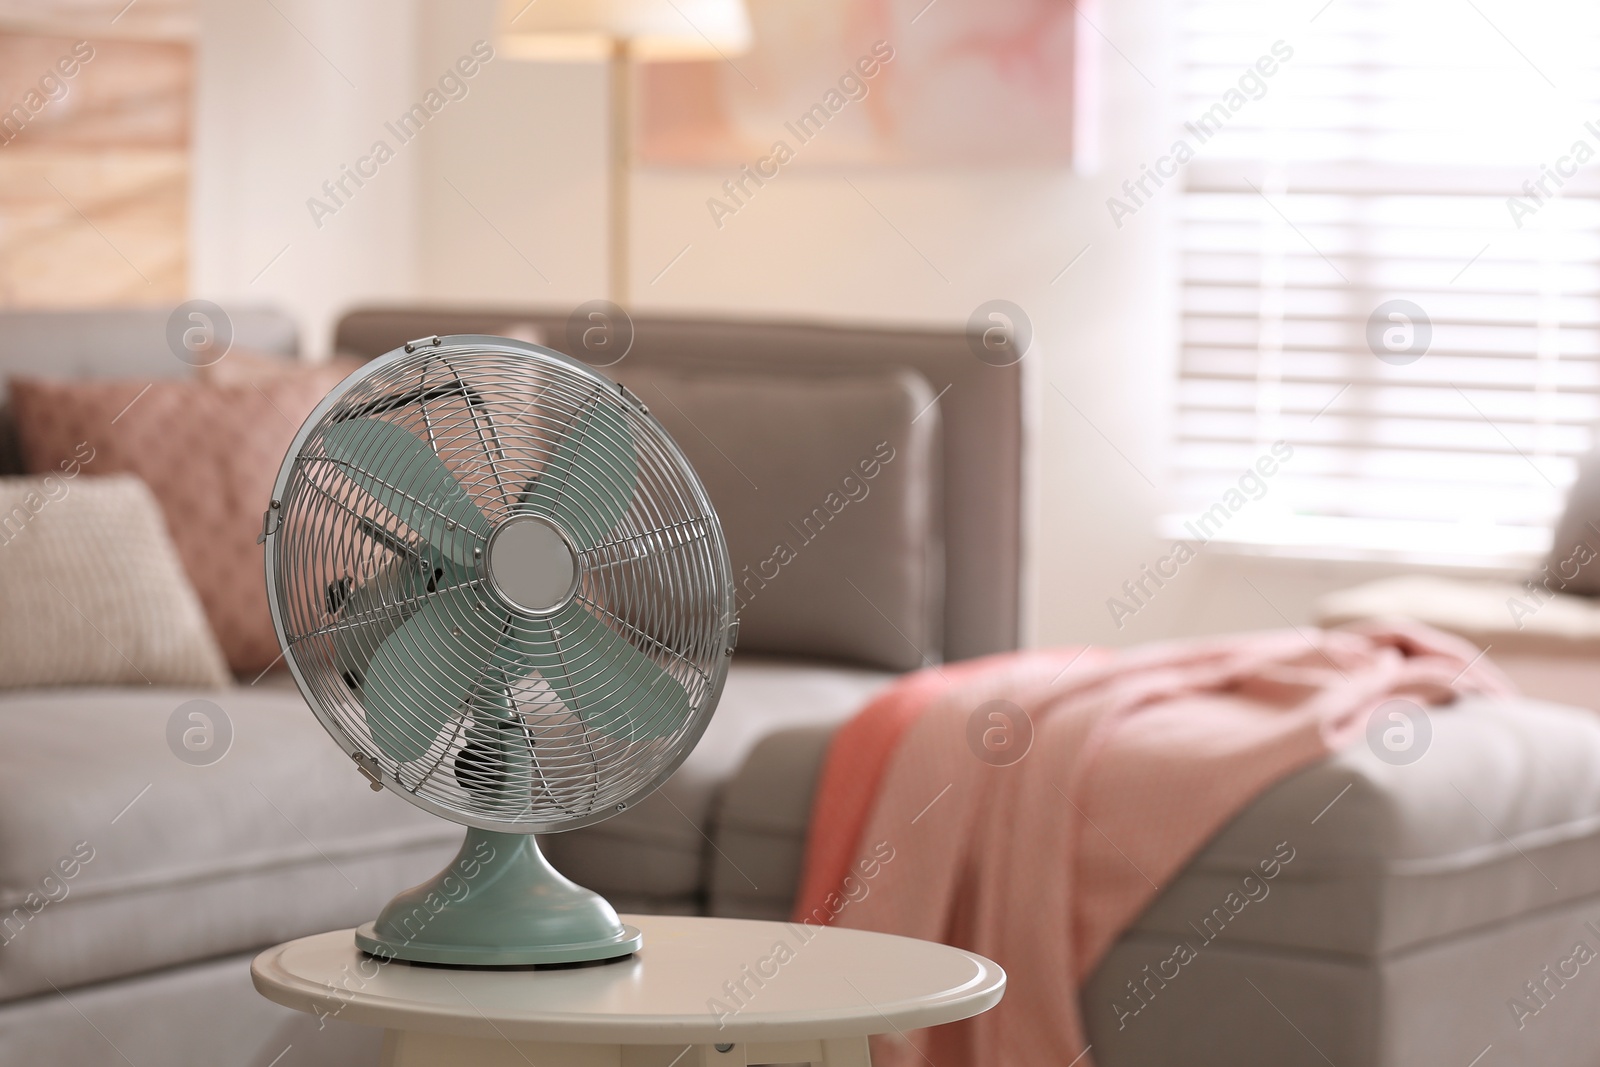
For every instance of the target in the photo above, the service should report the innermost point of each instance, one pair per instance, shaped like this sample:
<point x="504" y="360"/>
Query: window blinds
<point x="1390" y="258"/>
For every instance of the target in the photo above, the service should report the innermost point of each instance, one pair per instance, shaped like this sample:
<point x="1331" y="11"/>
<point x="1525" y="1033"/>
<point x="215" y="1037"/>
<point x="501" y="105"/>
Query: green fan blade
<point x="370" y="614"/>
<point x="588" y="483"/>
<point x="405" y="476"/>
<point x="599" y="674"/>
<point x="377" y="607"/>
<point x="426" y="668"/>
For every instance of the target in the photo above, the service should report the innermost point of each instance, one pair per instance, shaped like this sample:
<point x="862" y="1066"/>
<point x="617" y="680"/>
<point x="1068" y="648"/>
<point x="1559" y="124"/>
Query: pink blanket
<point x="1137" y="759"/>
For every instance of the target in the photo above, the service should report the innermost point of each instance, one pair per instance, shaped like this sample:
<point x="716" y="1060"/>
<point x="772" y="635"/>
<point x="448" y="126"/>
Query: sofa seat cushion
<point x="661" y="848"/>
<point x="1499" y="817"/>
<point x="119" y="857"/>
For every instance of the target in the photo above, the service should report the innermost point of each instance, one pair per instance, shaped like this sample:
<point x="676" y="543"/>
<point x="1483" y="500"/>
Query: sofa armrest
<point x="1510" y="616"/>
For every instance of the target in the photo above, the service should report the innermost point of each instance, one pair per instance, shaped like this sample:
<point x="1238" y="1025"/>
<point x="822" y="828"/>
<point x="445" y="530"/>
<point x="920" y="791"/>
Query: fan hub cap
<point x="530" y="565"/>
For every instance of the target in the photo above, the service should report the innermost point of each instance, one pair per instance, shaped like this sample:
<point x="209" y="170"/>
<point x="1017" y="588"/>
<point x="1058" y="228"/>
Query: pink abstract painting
<point x="1002" y="83"/>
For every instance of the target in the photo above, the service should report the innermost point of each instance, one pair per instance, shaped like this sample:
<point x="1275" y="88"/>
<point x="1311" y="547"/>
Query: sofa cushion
<point x="827" y="489"/>
<point x="658" y="852"/>
<point x="208" y="452"/>
<point x="92" y="589"/>
<point x="119" y="857"/>
<point x="1446" y="1002"/>
<point x="1499" y="817"/>
<point x="149" y="1020"/>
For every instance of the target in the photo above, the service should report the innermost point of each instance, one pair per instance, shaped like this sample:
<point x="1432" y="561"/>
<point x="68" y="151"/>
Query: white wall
<point x="287" y="92"/>
<point x="504" y="201"/>
<point x="810" y="246"/>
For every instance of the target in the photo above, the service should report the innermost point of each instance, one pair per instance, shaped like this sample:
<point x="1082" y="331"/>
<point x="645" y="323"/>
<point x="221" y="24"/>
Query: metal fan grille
<point x="562" y="721"/>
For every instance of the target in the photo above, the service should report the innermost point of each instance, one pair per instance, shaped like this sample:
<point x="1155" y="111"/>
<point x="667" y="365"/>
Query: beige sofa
<point x="1419" y="903"/>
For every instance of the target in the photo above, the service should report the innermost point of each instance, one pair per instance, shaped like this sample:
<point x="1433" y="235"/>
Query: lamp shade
<point x="653" y="29"/>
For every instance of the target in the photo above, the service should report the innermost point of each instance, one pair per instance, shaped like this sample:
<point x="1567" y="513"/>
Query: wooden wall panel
<point x="94" y="169"/>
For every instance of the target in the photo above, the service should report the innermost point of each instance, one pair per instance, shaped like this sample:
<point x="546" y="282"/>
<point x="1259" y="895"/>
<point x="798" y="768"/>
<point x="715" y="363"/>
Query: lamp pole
<point x="621" y="103"/>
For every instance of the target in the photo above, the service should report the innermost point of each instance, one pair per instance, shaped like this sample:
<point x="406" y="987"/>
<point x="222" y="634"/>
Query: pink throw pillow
<point x="209" y="454"/>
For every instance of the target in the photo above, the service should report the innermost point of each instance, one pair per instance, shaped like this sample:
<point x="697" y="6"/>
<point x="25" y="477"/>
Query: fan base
<point x="498" y="904"/>
<point x="605" y="951"/>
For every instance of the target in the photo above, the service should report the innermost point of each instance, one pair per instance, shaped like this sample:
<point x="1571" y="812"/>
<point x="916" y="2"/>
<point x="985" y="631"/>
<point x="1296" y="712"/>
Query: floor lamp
<point x="621" y="33"/>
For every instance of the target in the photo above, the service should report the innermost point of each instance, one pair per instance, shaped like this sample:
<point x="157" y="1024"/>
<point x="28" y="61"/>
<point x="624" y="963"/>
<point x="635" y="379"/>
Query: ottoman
<point x="1362" y="912"/>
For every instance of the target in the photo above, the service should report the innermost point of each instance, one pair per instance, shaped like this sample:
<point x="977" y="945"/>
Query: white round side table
<point x="700" y="993"/>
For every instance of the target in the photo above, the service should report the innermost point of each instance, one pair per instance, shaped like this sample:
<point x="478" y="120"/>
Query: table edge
<point x="301" y="994"/>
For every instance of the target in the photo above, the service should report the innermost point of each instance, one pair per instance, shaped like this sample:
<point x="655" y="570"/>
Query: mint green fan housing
<point x="503" y="590"/>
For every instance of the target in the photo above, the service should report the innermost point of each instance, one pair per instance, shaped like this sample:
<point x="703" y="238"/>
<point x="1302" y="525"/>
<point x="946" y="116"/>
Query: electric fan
<point x="503" y="590"/>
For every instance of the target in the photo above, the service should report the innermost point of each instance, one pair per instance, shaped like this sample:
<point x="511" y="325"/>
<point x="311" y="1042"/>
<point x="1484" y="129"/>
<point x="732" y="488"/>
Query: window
<point x="1390" y="258"/>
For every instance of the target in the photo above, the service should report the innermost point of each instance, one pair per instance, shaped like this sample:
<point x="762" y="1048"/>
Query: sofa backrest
<point x="980" y="407"/>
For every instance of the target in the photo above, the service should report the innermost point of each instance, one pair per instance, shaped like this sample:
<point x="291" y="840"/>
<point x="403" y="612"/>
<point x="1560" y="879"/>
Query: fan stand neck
<point x="498" y="904"/>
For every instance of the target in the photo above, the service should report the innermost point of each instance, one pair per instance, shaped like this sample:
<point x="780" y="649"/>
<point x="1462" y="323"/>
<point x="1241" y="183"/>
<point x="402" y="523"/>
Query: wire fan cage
<point x="482" y="707"/>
